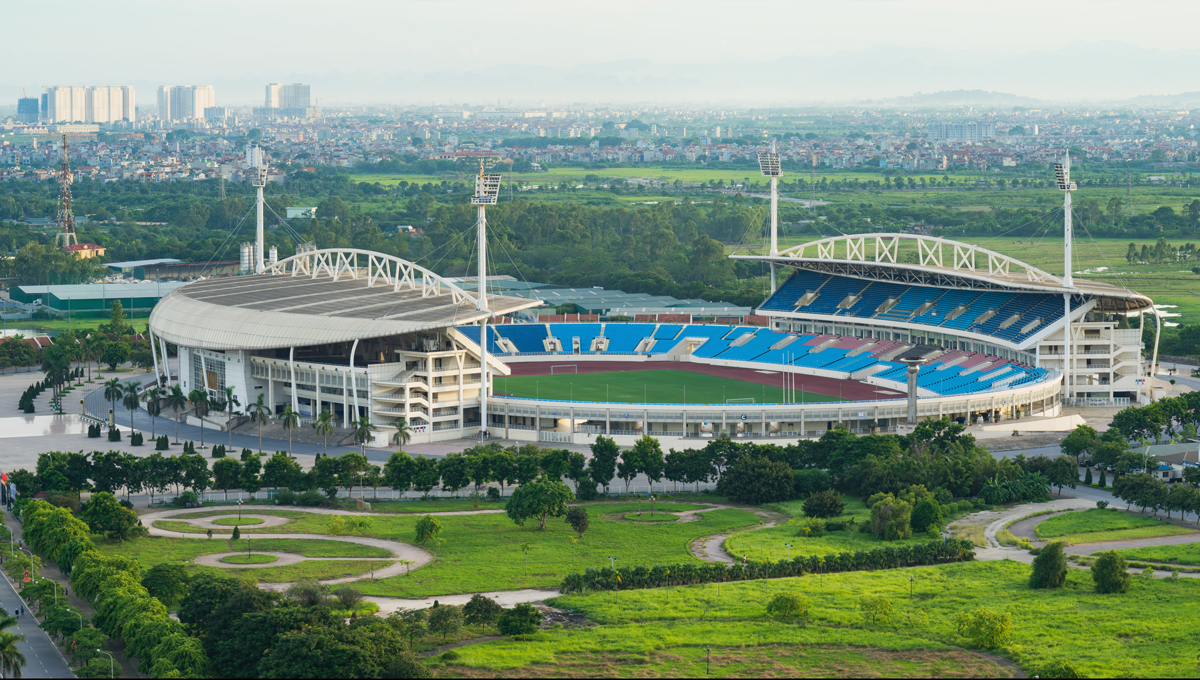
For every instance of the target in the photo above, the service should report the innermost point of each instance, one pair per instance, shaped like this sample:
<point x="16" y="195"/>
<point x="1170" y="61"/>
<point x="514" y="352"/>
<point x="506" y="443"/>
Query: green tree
<point x="259" y="413"/>
<point x="176" y="401"/>
<point x="521" y="620"/>
<point x="604" y="461"/>
<point x="1063" y="472"/>
<point x="168" y="582"/>
<point x="876" y="609"/>
<point x="11" y="658"/>
<point x="788" y="608"/>
<point x="130" y="399"/>
<point x="1049" y="567"/>
<point x="577" y="517"/>
<point x="539" y="499"/>
<point x="199" y="401"/>
<point x="398" y="471"/>
<point x="481" y="610"/>
<point x="824" y="504"/>
<point x="985" y="628"/>
<point x="445" y="620"/>
<point x="113" y="391"/>
<point x="290" y="420"/>
<point x="154" y="397"/>
<point x="115" y="354"/>
<point x="403" y="433"/>
<point x="1110" y="573"/>
<point x="926" y="514"/>
<point x="362" y="432"/>
<point x="231" y="403"/>
<point x="1082" y="440"/>
<point x="755" y="480"/>
<point x="427" y="529"/>
<point x="105" y="515"/>
<point x="324" y="427"/>
<point x="227" y="474"/>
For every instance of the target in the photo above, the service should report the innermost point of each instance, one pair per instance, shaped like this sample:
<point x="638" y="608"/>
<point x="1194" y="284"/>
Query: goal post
<point x="747" y="400"/>
<point x="564" y="368"/>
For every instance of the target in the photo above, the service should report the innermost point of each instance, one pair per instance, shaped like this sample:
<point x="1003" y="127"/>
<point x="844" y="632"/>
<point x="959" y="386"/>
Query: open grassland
<point x="651" y="631"/>
<point x="157" y="550"/>
<point x="654" y="387"/>
<point x="1099" y="524"/>
<point x="492" y="543"/>
<point x="320" y="571"/>
<point x="1168" y="554"/>
<point x="249" y="559"/>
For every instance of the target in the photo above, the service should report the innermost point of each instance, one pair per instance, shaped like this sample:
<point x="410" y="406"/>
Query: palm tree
<point x="230" y="402"/>
<point x="324" y="427"/>
<point x="113" y="392"/>
<point x="154" y="406"/>
<point x="289" y="419"/>
<point x="403" y="434"/>
<point x="11" y="658"/>
<point x="362" y="432"/>
<point x="199" y="399"/>
<point x="130" y="400"/>
<point x="259" y="413"/>
<point x="176" y="401"/>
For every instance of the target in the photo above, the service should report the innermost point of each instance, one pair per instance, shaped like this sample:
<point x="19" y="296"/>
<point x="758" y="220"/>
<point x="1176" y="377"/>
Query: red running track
<point x="852" y="390"/>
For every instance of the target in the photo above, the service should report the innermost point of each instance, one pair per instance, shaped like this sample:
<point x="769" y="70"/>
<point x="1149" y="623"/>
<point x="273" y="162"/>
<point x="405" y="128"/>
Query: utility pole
<point x="66" y="217"/>
<point x="1062" y="172"/>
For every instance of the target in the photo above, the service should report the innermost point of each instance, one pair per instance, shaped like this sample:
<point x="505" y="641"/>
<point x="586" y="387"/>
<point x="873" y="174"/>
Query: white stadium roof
<point x="315" y="298"/>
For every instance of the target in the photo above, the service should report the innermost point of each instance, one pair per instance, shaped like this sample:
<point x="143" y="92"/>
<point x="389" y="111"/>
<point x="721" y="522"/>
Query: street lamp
<point x="80" y="619"/>
<point x="910" y="585"/>
<point x="112" y="663"/>
<point x="239" y="511"/>
<point x="612" y="562"/>
<point x="789" y="550"/>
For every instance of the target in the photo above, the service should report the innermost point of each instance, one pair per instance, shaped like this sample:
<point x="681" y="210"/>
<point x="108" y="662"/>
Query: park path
<point x="712" y="548"/>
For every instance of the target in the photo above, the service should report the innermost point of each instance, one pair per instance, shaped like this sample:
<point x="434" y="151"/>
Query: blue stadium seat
<point x="527" y="337"/>
<point x="566" y="332"/>
<point x="624" y="337"/>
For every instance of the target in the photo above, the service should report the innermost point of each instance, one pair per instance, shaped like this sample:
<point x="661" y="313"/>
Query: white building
<point x="90" y="104"/>
<point x="973" y="131"/>
<point x="185" y="102"/>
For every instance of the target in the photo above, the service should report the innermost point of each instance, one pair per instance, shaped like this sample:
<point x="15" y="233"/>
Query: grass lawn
<point x="643" y="506"/>
<point x="1115" y="525"/>
<point x="156" y="550"/>
<point x="662" y="632"/>
<point x="235" y="522"/>
<point x="647" y="517"/>
<point x="249" y="559"/>
<point x="633" y="387"/>
<point x="1169" y="554"/>
<point x="320" y="571"/>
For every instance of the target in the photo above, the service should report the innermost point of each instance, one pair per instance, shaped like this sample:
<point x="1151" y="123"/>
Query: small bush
<point x="218" y="451"/>
<point x="162" y="443"/>
<point x="1109" y="573"/>
<point x="809" y="481"/>
<point x="985" y="628"/>
<point x="788" y="608"/>
<point x="184" y="498"/>
<point x="1101" y="504"/>
<point x="114" y="435"/>
<point x="811" y="528"/>
<point x="450" y="655"/>
<point x="926" y="515"/>
<point x="824" y="504"/>
<point x="837" y="524"/>
<point x="311" y="498"/>
<point x="286" y="497"/>
<point x="1049" y="567"/>
<point x="136" y="439"/>
<point x="1059" y="668"/>
<point x="876" y="609"/>
<point x="587" y="492"/>
<point x="965" y="505"/>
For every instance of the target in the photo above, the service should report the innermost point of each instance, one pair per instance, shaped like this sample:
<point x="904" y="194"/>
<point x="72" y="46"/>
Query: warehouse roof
<point x="133" y="264"/>
<point x="101" y="291"/>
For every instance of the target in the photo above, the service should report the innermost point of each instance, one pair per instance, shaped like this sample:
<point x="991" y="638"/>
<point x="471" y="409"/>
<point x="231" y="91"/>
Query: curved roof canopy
<point x="318" y="297"/>
<point x="940" y="262"/>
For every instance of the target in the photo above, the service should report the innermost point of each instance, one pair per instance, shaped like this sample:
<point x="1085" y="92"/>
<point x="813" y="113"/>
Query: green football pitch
<point x="653" y="387"/>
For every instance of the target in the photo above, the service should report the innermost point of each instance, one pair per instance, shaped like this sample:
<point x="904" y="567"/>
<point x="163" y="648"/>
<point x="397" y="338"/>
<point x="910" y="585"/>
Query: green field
<point x="663" y="632"/>
<point x="1169" y="554"/>
<point x="1104" y="525"/>
<point x="651" y="387"/>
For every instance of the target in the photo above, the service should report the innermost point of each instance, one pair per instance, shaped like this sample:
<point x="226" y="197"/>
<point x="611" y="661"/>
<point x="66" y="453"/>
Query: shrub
<point x="926" y="515"/>
<point x="521" y="620"/>
<point x="755" y="480"/>
<point x="876" y="609"/>
<point x="810" y="481"/>
<point x="788" y="608"/>
<point x="162" y="443"/>
<point x="481" y="610"/>
<point x="449" y="655"/>
<point x="1059" y="668"/>
<point x="136" y="439"/>
<point x="577" y="517"/>
<point x="286" y="496"/>
<point x="943" y="496"/>
<point x="1101" y="504"/>
<point x="837" y="524"/>
<point x="965" y="505"/>
<point x="1109" y="573"/>
<point x="446" y="619"/>
<point x="811" y="528"/>
<point x="184" y="498"/>
<point x="823" y="504"/>
<point x="114" y="435"/>
<point x="1049" y="567"/>
<point x="493" y="493"/>
<point x="218" y="451"/>
<point x="311" y="498"/>
<point x="890" y="517"/>
<point x="985" y="628"/>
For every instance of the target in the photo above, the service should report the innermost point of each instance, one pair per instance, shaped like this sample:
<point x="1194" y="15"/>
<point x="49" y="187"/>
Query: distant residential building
<point x="304" y="213"/>
<point x="27" y="109"/>
<point x="287" y="101"/>
<point x="185" y="102"/>
<point x="973" y="131"/>
<point x="90" y="104"/>
<point x="85" y="251"/>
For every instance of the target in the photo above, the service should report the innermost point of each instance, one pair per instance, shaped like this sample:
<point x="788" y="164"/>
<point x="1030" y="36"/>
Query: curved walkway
<point x="712" y="548"/>
<point x="414" y="556"/>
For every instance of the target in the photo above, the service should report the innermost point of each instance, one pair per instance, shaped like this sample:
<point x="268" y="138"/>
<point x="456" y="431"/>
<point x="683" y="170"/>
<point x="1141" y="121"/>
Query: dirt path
<point x="712" y="548"/>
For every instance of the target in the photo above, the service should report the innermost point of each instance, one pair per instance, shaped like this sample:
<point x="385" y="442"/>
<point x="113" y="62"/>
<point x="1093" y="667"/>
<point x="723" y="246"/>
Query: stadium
<point x="869" y="332"/>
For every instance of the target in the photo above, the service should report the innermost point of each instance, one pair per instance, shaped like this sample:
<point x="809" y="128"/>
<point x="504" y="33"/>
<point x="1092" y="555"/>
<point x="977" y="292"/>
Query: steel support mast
<point x="1062" y="172"/>
<point x="258" y="167"/>
<point x="487" y="190"/>
<point x="768" y="164"/>
<point x="66" y="216"/>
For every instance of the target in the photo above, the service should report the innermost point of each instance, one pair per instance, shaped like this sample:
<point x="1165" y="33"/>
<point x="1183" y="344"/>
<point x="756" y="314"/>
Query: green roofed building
<point x="95" y="296"/>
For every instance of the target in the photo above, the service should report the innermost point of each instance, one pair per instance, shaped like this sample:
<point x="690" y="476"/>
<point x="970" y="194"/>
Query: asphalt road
<point x="42" y="658"/>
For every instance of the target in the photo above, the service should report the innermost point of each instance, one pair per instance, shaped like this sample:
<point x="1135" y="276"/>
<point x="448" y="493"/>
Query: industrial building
<point x="94" y="296"/>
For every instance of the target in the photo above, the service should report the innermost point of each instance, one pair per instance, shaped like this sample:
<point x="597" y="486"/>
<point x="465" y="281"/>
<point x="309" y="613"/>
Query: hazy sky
<point x="222" y="40"/>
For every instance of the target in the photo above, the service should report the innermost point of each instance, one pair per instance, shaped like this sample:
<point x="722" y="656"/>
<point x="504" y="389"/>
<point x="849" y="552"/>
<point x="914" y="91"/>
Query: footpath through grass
<point x="654" y="387"/>
<point x="1108" y="524"/>
<point x="1142" y="633"/>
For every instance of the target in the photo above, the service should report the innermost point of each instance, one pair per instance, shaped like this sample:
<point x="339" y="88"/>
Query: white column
<point x="1154" y="361"/>
<point x="166" y="360"/>
<point x="774" y="226"/>
<point x="292" y="366"/>
<point x="153" y="353"/>
<point x="354" y="379"/>
<point x="483" y="377"/>
<point x="346" y="400"/>
<point x="317" y="403"/>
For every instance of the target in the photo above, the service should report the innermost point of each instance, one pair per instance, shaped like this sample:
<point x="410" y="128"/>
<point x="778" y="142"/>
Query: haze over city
<point x="531" y="51"/>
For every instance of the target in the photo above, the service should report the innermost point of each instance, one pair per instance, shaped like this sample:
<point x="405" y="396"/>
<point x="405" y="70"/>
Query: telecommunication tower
<point x="1062" y="174"/>
<point x="258" y="178"/>
<point x="66" y="218"/>
<point x="768" y="164"/>
<point x="487" y="191"/>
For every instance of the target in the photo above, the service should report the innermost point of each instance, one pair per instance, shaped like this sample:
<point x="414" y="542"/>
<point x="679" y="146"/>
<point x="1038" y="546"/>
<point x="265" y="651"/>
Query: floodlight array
<point x="487" y="189"/>
<point x="1062" y="175"/>
<point x="768" y="163"/>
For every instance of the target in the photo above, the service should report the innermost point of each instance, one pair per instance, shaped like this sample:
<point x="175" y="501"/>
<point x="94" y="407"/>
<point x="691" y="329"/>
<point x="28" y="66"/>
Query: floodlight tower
<point x="66" y="216"/>
<point x="768" y="164"/>
<point x="487" y="190"/>
<point x="1062" y="173"/>
<point x="258" y="178"/>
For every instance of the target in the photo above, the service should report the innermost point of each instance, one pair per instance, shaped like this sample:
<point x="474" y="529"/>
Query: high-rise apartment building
<point x="27" y="110"/>
<point x="973" y="131"/>
<point x="287" y="101"/>
<point x="89" y="104"/>
<point x="185" y="102"/>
